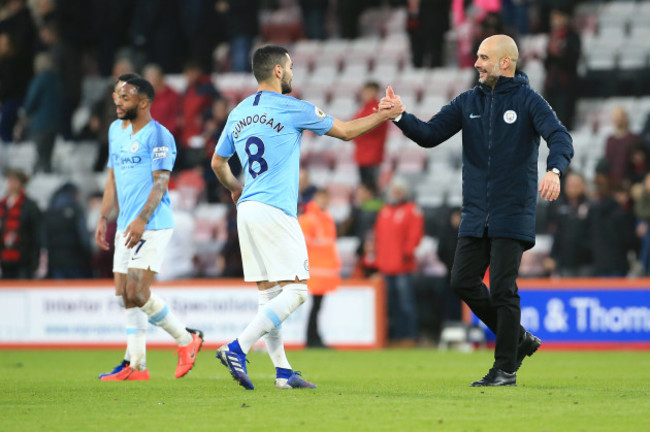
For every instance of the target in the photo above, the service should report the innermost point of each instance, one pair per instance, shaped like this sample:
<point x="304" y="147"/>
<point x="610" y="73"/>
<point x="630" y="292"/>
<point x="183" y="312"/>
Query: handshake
<point x="391" y="105"/>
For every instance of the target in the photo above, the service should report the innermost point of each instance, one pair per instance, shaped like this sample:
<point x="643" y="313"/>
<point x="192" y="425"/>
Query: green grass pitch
<point x="392" y="390"/>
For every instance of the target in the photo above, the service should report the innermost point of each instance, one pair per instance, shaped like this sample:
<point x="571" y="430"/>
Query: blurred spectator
<point x="638" y="164"/>
<point x="561" y="63"/>
<point x="369" y="147"/>
<point x="214" y="123"/>
<point x="611" y="231"/>
<point x="196" y="101"/>
<point x="20" y="230"/>
<point x="156" y="33"/>
<point x="213" y="127"/>
<point x="103" y="113"/>
<point x="166" y="105"/>
<point x="17" y="37"/>
<point x="363" y="213"/>
<point x="450" y="307"/>
<point x="67" y="65"/>
<point x="398" y="231"/>
<point x="178" y="262"/>
<point x="428" y="21"/>
<point x="109" y="30"/>
<point x="468" y="17"/>
<point x="619" y="146"/>
<point x="229" y="261"/>
<point x="491" y="24"/>
<point x="348" y="13"/>
<point x="324" y="262"/>
<point x="641" y="194"/>
<point x="569" y="224"/>
<point x="541" y="13"/>
<point x="43" y="108"/>
<point x="306" y="190"/>
<point x="515" y="16"/>
<point x="203" y="28"/>
<point x="314" y="15"/>
<point x="66" y="236"/>
<point x="102" y="260"/>
<point x="243" y="28"/>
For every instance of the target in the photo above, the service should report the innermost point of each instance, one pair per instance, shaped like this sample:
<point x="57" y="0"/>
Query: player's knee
<point x="300" y="290"/>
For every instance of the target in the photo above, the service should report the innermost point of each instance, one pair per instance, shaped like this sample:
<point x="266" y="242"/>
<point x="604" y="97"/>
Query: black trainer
<point x="496" y="378"/>
<point x="527" y="347"/>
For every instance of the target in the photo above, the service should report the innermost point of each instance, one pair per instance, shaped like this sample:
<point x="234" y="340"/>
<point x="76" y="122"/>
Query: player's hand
<point x="100" y="235"/>
<point x="391" y="104"/>
<point x="134" y="232"/>
<point x="550" y="186"/>
<point x="235" y="195"/>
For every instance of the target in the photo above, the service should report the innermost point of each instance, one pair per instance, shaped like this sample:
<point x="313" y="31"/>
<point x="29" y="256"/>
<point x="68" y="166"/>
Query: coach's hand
<point x="100" y="234"/>
<point x="550" y="186"/>
<point x="134" y="231"/>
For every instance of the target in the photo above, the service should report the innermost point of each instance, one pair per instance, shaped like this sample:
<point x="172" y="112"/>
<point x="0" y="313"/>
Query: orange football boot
<point x="187" y="354"/>
<point x="128" y="374"/>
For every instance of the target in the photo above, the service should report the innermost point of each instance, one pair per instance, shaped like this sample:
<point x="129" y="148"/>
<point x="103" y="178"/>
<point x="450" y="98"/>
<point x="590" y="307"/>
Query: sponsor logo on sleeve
<point x="160" y="152"/>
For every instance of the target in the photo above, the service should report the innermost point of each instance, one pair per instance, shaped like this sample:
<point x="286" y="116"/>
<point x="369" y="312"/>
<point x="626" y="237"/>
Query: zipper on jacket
<point x="487" y="183"/>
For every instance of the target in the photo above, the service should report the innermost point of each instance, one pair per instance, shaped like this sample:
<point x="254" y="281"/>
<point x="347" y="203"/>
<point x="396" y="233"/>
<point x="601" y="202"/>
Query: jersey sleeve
<point x="225" y="147"/>
<point x="163" y="151"/>
<point x="310" y="117"/>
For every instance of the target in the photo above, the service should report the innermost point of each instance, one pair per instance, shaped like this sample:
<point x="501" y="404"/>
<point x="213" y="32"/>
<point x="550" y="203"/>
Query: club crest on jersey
<point x="135" y="146"/>
<point x="510" y="117"/>
<point x="319" y="113"/>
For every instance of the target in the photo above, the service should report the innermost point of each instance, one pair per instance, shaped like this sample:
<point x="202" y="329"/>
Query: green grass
<point x="396" y="390"/>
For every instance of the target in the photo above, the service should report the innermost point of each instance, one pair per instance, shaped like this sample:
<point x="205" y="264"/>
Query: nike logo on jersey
<point x="474" y="116"/>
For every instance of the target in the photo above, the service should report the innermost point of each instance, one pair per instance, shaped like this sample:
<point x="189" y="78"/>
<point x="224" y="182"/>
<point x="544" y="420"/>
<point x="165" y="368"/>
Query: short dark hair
<point x="127" y="76"/>
<point x="265" y="58"/>
<point x="372" y="84"/>
<point x="143" y="87"/>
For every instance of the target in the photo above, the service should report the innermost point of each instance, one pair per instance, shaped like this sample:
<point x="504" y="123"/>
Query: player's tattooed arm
<point x="160" y="183"/>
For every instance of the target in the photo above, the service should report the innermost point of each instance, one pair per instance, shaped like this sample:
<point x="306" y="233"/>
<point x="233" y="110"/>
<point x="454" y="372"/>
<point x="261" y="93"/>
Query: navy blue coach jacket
<point x="501" y="131"/>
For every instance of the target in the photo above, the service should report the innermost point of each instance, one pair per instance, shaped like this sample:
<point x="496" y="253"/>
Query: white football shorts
<point x="148" y="254"/>
<point x="272" y="244"/>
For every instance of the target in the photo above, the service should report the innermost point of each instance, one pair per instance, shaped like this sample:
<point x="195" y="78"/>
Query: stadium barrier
<point x="585" y="313"/>
<point x="84" y="314"/>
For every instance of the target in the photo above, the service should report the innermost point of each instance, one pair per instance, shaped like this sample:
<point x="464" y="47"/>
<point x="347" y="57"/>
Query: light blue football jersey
<point x="265" y="130"/>
<point x="133" y="159"/>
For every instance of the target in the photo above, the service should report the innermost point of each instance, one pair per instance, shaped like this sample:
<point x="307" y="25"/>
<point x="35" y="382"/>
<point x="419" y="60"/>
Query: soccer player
<point x="140" y="163"/>
<point x="265" y="131"/>
<point x="119" y="126"/>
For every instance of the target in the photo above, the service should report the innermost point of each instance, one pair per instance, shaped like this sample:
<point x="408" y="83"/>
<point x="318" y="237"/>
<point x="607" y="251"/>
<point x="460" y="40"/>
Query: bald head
<point x="496" y="56"/>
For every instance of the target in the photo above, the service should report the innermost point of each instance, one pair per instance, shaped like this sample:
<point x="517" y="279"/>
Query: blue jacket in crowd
<point x="43" y="102"/>
<point x="501" y="131"/>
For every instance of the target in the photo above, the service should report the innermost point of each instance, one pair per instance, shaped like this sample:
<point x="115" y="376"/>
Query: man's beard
<point x="286" y="87"/>
<point x="130" y="114"/>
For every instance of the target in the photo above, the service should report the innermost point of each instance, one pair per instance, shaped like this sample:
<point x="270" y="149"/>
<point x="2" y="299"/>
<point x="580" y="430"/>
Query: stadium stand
<point x="329" y="73"/>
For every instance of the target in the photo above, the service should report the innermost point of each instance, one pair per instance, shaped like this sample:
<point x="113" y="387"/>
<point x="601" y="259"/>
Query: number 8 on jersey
<point x="256" y="163"/>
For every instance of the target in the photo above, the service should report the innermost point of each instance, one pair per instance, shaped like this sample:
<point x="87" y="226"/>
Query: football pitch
<point x="397" y="390"/>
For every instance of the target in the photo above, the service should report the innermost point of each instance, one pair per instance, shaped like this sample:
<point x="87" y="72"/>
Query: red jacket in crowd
<point x="370" y="146"/>
<point x="165" y="108"/>
<point x="398" y="231"/>
<point x="197" y="99"/>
